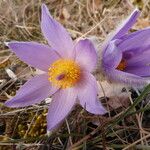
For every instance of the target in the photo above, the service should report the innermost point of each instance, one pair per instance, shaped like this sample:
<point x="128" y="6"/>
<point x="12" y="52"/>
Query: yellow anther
<point x="122" y="65"/>
<point x="64" y="73"/>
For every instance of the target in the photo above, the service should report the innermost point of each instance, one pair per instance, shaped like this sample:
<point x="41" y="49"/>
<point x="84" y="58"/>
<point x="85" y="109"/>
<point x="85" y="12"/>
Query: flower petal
<point x="137" y="50"/>
<point x="135" y="39"/>
<point x="126" y="25"/>
<point x="62" y="103"/>
<point x="138" y="59"/>
<point x="122" y="29"/>
<point x="33" y="91"/>
<point x="112" y="56"/>
<point x="37" y="55"/>
<point x="126" y="78"/>
<point x="56" y="34"/>
<point x="86" y="55"/>
<point x="88" y="95"/>
<point x="143" y="71"/>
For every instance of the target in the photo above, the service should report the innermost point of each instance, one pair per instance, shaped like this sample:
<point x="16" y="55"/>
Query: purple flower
<point x="67" y="76"/>
<point x="126" y="56"/>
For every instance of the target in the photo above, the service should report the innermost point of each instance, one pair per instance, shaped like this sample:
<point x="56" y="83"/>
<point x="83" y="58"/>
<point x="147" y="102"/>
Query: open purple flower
<point x="126" y="56"/>
<point x="67" y="76"/>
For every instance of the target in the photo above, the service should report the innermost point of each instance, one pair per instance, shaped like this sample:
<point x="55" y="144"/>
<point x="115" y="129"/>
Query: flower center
<point x="122" y="65"/>
<point x="64" y="73"/>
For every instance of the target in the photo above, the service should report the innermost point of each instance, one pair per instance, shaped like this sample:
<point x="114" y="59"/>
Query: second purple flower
<point x="126" y="56"/>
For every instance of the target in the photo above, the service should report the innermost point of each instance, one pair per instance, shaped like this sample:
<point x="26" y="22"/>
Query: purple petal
<point x="122" y="29"/>
<point x="56" y="34"/>
<point x="112" y="56"/>
<point x="138" y="50"/>
<point x="126" y="78"/>
<point x="62" y="103"/>
<point x="87" y="94"/>
<point x="33" y="91"/>
<point x="135" y="39"/>
<point x="37" y="55"/>
<point x="139" y="59"/>
<point x="86" y="55"/>
<point x="126" y="25"/>
<point x="143" y="71"/>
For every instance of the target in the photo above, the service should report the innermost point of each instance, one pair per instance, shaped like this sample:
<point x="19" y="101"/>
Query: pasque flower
<point x="67" y="76"/>
<point x="126" y="55"/>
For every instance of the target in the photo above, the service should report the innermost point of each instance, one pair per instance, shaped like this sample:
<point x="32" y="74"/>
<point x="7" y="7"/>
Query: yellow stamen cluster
<point x="64" y="73"/>
<point x="122" y="65"/>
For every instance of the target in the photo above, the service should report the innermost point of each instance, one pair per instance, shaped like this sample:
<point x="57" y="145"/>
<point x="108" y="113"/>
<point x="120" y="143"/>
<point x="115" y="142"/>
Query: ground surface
<point x="124" y="127"/>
